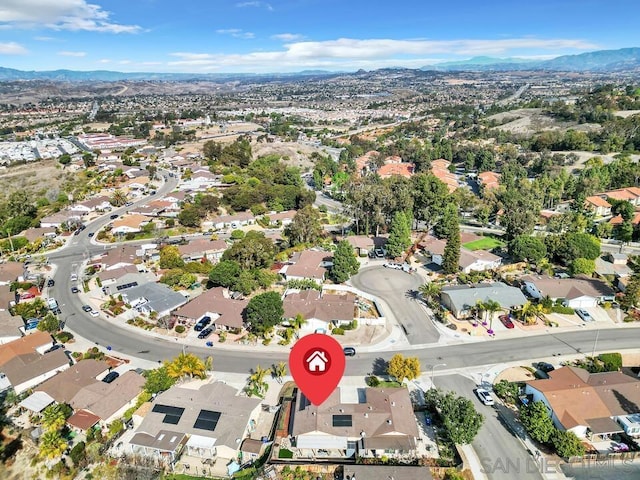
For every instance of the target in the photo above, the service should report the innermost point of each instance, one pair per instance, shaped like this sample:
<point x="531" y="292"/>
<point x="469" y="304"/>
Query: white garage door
<point x="583" y="302"/>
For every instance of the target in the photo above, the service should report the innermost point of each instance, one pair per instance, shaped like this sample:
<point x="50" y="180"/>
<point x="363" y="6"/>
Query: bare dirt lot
<point x="44" y="176"/>
<point x="527" y="121"/>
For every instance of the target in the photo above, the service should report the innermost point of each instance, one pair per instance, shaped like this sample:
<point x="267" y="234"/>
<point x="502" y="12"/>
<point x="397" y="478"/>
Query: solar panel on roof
<point x="171" y="414"/>
<point x="342" y="421"/>
<point x="207" y="420"/>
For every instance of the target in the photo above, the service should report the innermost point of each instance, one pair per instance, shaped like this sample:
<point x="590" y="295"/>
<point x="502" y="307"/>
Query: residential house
<point x="470" y="260"/>
<point x="10" y="327"/>
<point x="56" y="220"/>
<point x="153" y="297"/>
<point x="128" y="280"/>
<point x="589" y="404"/>
<point x="176" y="197"/>
<point x="364" y="244"/>
<point x="251" y="449"/>
<point x="598" y="206"/>
<point x="130" y="224"/>
<point x="308" y="265"/>
<point x="440" y="169"/>
<point x="618" y="220"/>
<point x="204" y="248"/>
<point x="320" y="309"/>
<point x="402" y="169"/>
<point x="366" y="163"/>
<point x="109" y="277"/>
<point x="209" y="422"/>
<point x="489" y="180"/>
<point x="91" y="398"/>
<point x="630" y="194"/>
<point x="7" y="297"/>
<point x="613" y="265"/>
<point x="386" y="472"/>
<point x="578" y="292"/>
<point x="26" y="363"/>
<point x="281" y="219"/>
<point x="117" y="257"/>
<point x="96" y="204"/>
<point x="36" y="233"/>
<point x="139" y="183"/>
<point x="368" y="422"/>
<point x="226" y="313"/>
<point x="461" y="300"/>
<point x="234" y="221"/>
<point x="10" y="272"/>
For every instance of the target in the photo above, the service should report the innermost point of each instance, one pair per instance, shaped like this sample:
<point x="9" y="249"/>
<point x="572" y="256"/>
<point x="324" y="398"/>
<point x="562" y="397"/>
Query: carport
<point x="604" y="427"/>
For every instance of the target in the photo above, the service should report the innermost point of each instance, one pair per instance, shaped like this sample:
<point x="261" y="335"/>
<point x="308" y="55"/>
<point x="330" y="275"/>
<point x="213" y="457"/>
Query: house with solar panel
<point x="208" y="423"/>
<point x="353" y="423"/>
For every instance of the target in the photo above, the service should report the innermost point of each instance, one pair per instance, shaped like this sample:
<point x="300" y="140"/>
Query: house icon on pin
<point x="317" y="361"/>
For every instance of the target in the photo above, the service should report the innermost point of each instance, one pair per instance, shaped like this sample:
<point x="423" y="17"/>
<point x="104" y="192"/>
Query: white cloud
<point x="287" y="37"/>
<point x="235" y="32"/>
<point x="60" y="15"/>
<point x="104" y="60"/>
<point x="46" y="39"/>
<point x="66" y="53"/>
<point x="255" y="4"/>
<point x="12" y="48"/>
<point x="350" y="54"/>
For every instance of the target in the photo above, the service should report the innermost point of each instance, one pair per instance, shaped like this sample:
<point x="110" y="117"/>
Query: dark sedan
<point x="205" y="333"/>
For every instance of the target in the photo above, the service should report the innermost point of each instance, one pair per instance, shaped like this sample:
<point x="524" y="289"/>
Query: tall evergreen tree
<point x="399" y="235"/>
<point x="451" y="257"/>
<point x="345" y="263"/>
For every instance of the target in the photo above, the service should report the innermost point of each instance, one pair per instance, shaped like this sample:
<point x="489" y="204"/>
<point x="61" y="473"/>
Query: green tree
<point x="345" y="263"/>
<point x="430" y="197"/>
<point x="49" y="323"/>
<point x="430" y="291"/>
<point x="170" y="257"/>
<point x="225" y="273"/>
<point x="305" y="226"/>
<point x="52" y="445"/>
<point x="449" y="222"/>
<point x="567" y="444"/>
<point x="624" y="232"/>
<point x="186" y="365"/>
<point x="623" y="208"/>
<point x="460" y="419"/>
<point x="582" y="266"/>
<point x="246" y="282"/>
<point x="451" y="256"/>
<point x="54" y="417"/>
<point x="257" y="386"/>
<point x="631" y="296"/>
<point x="280" y="370"/>
<point x="158" y="380"/>
<point x="190" y="216"/>
<point x="118" y="198"/>
<point x="537" y="422"/>
<point x="399" y="235"/>
<point x="401" y="367"/>
<point x="489" y="307"/>
<point x="78" y="454"/>
<point x="253" y="251"/>
<point x="527" y="248"/>
<point x="264" y="311"/>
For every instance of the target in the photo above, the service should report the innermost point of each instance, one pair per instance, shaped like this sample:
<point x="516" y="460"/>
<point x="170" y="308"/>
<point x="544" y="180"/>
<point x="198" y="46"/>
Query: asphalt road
<point x="398" y="290"/>
<point x="501" y="455"/>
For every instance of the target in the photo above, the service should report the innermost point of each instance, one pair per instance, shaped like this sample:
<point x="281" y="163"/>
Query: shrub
<point x="567" y="444"/>
<point x="64" y="337"/>
<point x="562" y="309"/>
<point x="373" y="381"/>
<point x="612" y="361"/>
<point x="180" y="329"/>
<point x="77" y="453"/>
<point x="628" y="319"/>
<point x="338" y="331"/>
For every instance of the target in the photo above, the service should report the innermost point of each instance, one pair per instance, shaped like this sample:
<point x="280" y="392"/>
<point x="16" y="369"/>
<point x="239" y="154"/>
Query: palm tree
<point x="280" y="371"/>
<point x="298" y="322"/>
<point x="187" y="365"/>
<point x="53" y="418"/>
<point x="257" y="384"/>
<point x="52" y="445"/>
<point x="430" y="291"/>
<point x="208" y="363"/>
<point x="118" y="198"/>
<point x="529" y="311"/>
<point x="491" y="307"/>
<point x="479" y="309"/>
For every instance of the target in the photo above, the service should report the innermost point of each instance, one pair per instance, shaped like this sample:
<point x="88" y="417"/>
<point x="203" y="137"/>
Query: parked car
<point x="484" y="396"/>
<point x="110" y="377"/>
<point x="74" y="277"/>
<point x="50" y="282"/>
<point x="545" y="367"/>
<point x="584" y="315"/>
<point x="205" y="333"/>
<point x="91" y="234"/>
<point x="86" y="308"/>
<point x="203" y="322"/>
<point x="55" y="347"/>
<point x="114" y="216"/>
<point x="506" y="321"/>
<point x="94" y="313"/>
<point x="349" y="351"/>
<point x="77" y="232"/>
<point x="74" y="290"/>
<point x="392" y="265"/>
<point x="128" y="204"/>
<point x="379" y="252"/>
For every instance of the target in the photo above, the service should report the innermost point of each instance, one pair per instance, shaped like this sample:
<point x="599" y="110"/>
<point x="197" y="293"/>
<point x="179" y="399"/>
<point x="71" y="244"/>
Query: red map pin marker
<point x="316" y="363"/>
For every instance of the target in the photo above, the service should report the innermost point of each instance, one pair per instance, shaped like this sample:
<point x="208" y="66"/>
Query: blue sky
<point x="293" y="35"/>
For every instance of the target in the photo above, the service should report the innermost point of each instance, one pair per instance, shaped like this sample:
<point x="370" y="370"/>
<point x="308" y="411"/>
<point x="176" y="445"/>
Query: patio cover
<point x="198" y="441"/>
<point x="604" y="426"/>
<point x="329" y="442"/>
<point x="37" y="401"/>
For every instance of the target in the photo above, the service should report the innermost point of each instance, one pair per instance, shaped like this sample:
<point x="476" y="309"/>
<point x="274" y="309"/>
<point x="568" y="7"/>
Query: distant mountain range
<point x="601" y="61"/>
<point x="598" y="61"/>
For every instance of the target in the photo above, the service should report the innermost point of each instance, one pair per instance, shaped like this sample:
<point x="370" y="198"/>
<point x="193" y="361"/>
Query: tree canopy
<point x="345" y="263"/>
<point x="264" y="311"/>
<point x="401" y="367"/>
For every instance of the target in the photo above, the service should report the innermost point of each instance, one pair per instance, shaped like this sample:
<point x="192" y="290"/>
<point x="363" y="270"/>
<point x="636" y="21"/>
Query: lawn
<point x="390" y="384"/>
<point x="484" y="243"/>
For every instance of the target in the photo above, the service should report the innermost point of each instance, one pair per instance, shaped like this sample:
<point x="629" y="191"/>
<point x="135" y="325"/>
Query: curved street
<point x="392" y="286"/>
